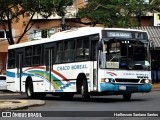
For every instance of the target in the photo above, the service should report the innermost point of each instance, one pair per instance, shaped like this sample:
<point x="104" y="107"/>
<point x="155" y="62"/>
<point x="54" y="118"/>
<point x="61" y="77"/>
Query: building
<point x="42" y="28"/>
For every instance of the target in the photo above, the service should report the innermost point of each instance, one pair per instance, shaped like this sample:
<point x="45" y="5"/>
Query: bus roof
<point x="73" y="33"/>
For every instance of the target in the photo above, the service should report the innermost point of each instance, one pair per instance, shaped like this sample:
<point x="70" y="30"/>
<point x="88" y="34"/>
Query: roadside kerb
<point x="155" y="87"/>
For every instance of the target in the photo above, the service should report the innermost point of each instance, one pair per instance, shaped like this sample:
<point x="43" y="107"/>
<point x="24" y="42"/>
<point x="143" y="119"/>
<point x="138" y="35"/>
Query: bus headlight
<point x="147" y="81"/>
<point x="104" y="80"/>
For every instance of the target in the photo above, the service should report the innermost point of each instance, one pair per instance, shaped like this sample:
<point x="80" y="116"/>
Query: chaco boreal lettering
<point x="72" y="67"/>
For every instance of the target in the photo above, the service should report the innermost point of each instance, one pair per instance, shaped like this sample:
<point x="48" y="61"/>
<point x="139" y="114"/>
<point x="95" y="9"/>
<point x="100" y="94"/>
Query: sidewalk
<point x="15" y="104"/>
<point x="156" y="86"/>
<point x="22" y="104"/>
<point x="19" y="104"/>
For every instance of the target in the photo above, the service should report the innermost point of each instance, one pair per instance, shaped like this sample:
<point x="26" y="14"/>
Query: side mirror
<point x="100" y="46"/>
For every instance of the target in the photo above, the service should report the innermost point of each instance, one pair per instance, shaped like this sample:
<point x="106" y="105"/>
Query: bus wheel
<point x="29" y="90"/>
<point x="84" y="91"/>
<point x="127" y="97"/>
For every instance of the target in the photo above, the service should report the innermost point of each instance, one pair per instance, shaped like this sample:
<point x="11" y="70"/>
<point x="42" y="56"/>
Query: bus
<point x="89" y="61"/>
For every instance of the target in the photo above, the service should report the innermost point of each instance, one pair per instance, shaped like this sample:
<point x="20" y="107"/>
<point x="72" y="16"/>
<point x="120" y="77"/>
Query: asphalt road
<point x="140" y="102"/>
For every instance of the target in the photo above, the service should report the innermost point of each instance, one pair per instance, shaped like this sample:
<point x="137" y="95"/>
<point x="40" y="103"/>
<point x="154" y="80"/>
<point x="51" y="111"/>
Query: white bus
<point x="88" y="61"/>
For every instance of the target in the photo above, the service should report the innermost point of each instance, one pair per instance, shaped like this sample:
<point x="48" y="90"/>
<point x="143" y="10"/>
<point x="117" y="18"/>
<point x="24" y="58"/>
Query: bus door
<point x="94" y="40"/>
<point x="19" y="63"/>
<point x="49" y="60"/>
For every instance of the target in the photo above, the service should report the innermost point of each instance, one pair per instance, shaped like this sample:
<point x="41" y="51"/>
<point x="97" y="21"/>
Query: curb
<point x="156" y="87"/>
<point x="19" y="104"/>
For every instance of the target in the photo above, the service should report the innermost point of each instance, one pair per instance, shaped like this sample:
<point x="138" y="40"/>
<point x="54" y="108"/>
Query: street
<point x="139" y="103"/>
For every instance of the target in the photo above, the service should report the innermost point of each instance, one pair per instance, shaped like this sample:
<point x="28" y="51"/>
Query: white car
<point x="3" y="83"/>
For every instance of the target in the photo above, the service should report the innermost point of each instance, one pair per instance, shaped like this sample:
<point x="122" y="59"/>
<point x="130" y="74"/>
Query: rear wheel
<point x="84" y="91"/>
<point x="31" y="94"/>
<point x="29" y="90"/>
<point x="127" y="97"/>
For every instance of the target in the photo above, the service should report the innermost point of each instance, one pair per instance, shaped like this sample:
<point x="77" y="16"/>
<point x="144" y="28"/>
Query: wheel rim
<point x="82" y="90"/>
<point x="29" y="91"/>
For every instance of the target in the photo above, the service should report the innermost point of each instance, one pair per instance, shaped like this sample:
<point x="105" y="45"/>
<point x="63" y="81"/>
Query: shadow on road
<point x="102" y="99"/>
<point x="77" y="98"/>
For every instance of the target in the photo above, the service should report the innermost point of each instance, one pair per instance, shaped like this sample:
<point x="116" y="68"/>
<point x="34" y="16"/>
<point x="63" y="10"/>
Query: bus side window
<point x="86" y="47"/>
<point x="82" y="49"/>
<point x="28" y="56"/>
<point x="59" y="52"/>
<point x="69" y="51"/>
<point x="37" y="55"/>
<point x="11" y="59"/>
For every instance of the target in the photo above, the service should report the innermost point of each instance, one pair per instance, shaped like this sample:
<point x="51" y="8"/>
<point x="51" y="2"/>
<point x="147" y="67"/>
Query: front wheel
<point x="84" y="91"/>
<point x="127" y="97"/>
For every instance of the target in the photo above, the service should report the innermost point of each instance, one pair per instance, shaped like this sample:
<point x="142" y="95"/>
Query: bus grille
<point x="128" y="80"/>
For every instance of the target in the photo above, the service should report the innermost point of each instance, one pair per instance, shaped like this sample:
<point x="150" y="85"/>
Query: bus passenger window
<point x="28" y="56"/>
<point x="11" y="59"/>
<point x="36" y="55"/>
<point x="68" y="51"/>
<point x="86" y="47"/>
<point x="59" y="52"/>
<point x="82" y="49"/>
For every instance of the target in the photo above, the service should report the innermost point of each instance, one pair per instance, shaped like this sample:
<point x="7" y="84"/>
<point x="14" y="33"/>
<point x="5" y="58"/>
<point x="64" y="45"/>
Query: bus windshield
<point x="125" y="54"/>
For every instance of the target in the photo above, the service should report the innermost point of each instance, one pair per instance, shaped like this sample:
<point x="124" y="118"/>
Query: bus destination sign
<point x="119" y="34"/>
<point x="124" y="34"/>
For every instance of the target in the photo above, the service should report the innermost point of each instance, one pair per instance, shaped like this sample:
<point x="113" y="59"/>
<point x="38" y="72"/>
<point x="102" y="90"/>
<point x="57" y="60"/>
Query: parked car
<point x="3" y="83"/>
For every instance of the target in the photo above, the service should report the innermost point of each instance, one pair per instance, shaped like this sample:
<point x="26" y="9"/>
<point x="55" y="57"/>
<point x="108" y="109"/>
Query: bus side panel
<point x="66" y="76"/>
<point x="36" y="74"/>
<point x="11" y="80"/>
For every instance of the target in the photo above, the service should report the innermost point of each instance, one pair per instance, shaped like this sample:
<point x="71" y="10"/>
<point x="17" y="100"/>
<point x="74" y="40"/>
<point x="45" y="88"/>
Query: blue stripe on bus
<point x="129" y="88"/>
<point x="10" y="74"/>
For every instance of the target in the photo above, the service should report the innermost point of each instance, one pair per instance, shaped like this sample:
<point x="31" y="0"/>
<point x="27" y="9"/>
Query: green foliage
<point x="11" y="10"/>
<point x="155" y="4"/>
<point x="113" y="12"/>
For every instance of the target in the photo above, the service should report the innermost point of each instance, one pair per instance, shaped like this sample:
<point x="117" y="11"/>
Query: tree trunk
<point x="63" y="24"/>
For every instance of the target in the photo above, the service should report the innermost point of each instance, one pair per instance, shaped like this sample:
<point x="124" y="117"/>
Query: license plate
<point x="122" y="87"/>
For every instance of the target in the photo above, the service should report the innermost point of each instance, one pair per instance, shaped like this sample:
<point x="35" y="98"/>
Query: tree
<point x="61" y="6"/>
<point x="155" y="5"/>
<point x="12" y="10"/>
<point x="113" y="12"/>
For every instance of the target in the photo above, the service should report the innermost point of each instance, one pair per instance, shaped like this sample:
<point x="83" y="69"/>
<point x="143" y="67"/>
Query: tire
<point x="127" y="97"/>
<point x="29" y="90"/>
<point x="31" y="94"/>
<point x="84" y="91"/>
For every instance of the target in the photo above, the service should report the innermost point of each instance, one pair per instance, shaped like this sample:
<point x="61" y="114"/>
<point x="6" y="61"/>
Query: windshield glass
<point x="124" y="54"/>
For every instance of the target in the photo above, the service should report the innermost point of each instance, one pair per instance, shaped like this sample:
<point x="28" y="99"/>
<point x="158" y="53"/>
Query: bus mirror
<point x="100" y="45"/>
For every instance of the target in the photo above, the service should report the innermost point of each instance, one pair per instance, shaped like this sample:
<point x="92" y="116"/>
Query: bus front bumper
<point x="123" y="88"/>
